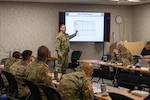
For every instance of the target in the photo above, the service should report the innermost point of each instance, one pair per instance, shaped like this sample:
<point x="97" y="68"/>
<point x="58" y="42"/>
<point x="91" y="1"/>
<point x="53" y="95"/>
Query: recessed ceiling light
<point x="134" y="0"/>
<point x="115" y="0"/>
<point x="128" y="0"/>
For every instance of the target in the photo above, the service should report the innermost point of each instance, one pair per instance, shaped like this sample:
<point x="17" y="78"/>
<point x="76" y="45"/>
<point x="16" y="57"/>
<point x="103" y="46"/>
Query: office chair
<point x="74" y="57"/>
<point x="105" y="70"/>
<point x="97" y="74"/>
<point x="2" y="88"/>
<point x="136" y="58"/>
<point x="50" y="92"/>
<point x="115" y="96"/>
<point x="12" y="89"/>
<point x="35" y="93"/>
<point x="128" y="80"/>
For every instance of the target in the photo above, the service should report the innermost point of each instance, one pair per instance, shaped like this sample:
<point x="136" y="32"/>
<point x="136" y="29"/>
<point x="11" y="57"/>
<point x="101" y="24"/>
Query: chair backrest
<point x="50" y="92"/>
<point x="35" y="93"/>
<point x="136" y="58"/>
<point x="1" y="82"/>
<point x="115" y="96"/>
<point x="12" y="89"/>
<point x="75" y="56"/>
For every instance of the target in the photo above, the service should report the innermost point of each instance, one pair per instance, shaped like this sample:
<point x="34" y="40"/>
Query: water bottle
<point x="56" y="73"/>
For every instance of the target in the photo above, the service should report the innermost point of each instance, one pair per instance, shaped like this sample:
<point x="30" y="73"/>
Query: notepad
<point x="96" y="88"/>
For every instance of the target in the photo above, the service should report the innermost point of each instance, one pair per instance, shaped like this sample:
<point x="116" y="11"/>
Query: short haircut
<point x="148" y="43"/>
<point x="16" y="54"/>
<point x="26" y="54"/>
<point x="61" y="25"/>
<point x="43" y="53"/>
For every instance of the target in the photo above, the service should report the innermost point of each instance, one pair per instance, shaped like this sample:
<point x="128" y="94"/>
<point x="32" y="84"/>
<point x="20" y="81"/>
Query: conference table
<point x="110" y="88"/>
<point x="52" y="59"/>
<point x="100" y="96"/>
<point x="117" y="91"/>
<point x="100" y="62"/>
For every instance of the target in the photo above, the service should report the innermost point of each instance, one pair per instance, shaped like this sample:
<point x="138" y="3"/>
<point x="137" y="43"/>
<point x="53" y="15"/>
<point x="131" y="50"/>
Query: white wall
<point x="29" y="25"/>
<point x="141" y="23"/>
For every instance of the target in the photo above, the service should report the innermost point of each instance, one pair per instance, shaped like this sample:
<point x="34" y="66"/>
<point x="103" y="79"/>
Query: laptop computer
<point x="144" y="63"/>
<point x="125" y="61"/>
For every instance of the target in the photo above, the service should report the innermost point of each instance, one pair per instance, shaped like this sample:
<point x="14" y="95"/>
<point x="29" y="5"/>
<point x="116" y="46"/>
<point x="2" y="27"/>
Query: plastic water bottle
<point x="56" y="74"/>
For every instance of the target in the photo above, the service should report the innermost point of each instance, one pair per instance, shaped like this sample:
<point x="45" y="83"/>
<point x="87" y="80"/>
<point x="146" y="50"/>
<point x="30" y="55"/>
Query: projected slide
<point x="90" y="26"/>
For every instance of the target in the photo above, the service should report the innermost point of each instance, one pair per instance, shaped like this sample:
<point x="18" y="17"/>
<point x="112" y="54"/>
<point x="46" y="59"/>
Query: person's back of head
<point x="43" y="53"/>
<point x="26" y="54"/>
<point x="87" y="68"/>
<point x="16" y="54"/>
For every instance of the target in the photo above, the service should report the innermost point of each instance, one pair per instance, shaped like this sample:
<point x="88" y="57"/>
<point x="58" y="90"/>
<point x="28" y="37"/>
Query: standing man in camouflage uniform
<point x="62" y="48"/>
<point x="77" y="85"/>
<point x="18" y="70"/>
<point x="121" y="52"/>
<point x="38" y="71"/>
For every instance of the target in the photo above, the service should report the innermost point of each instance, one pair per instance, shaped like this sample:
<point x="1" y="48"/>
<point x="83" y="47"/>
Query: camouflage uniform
<point x="18" y="70"/>
<point x="123" y="54"/>
<point x="9" y="62"/>
<point x="62" y="47"/>
<point x="76" y="86"/>
<point x="38" y="72"/>
<point x="7" y="65"/>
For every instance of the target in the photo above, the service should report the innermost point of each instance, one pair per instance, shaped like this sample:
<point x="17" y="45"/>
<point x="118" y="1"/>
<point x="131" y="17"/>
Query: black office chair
<point x="105" y="70"/>
<point x="136" y="58"/>
<point x="2" y="87"/>
<point x="35" y="93"/>
<point x="96" y="74"/>
<point x="128" y="79"/>
<point x="74" y="57"/>
<point x="50" y="92"/>
<point x="115" y="96"/>
<point x="12" y="89"/>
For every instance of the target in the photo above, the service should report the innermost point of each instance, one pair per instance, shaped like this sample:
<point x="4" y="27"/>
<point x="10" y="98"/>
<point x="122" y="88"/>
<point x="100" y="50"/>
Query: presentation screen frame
<point x="106" y="24"/>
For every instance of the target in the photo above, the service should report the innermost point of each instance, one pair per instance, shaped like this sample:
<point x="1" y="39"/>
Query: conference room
<point x="28" y="24"/>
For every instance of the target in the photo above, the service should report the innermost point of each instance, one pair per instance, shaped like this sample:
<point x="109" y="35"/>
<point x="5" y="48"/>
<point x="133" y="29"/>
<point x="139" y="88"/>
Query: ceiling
<point x="109" y="2"/>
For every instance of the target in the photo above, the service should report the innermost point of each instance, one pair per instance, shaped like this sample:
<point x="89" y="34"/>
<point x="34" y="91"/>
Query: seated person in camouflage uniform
<point x="77" y="85"/>
<point x="121" y="52"/>
<point x="9" y="61"/>
<point x="15" y="58"/>
<point x="18" y="69"/>
<point x="38" y="71"/>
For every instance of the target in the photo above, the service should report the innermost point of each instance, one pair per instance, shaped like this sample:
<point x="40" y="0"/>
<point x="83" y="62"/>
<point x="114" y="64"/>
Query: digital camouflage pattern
<point x="122" y="54"/>
<point x="18" y="70"/>
<point x="62" y="47"/>
<point x="76" y="86"/>
<point x="7" y="65"/>
<point x="38" y="72"/>
<point x="9" y="62"/>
